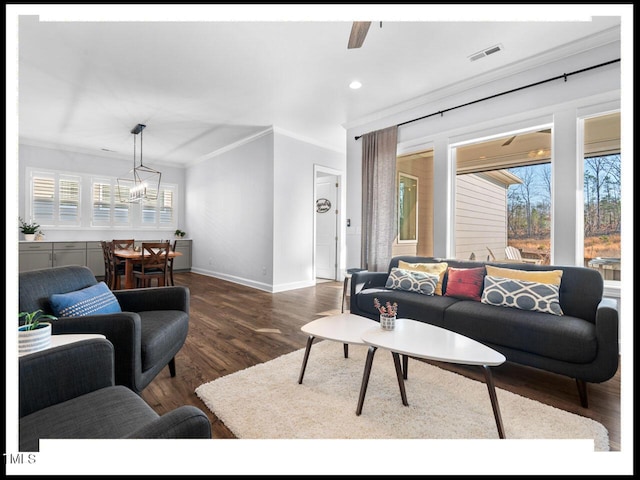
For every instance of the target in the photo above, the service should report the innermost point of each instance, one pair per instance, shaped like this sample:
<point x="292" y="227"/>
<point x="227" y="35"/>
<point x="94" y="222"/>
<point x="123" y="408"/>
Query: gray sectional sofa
<point x="581" y="344"/>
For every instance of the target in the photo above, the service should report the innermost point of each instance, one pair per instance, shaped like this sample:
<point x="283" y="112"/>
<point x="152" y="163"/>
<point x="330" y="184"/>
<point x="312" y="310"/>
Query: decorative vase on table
<point x="34" y="340"/>
<point x="387" y="321"/>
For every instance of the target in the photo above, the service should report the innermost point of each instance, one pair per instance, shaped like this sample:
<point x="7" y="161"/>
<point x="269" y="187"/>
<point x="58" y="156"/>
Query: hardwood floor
<point x="234" y="327"/>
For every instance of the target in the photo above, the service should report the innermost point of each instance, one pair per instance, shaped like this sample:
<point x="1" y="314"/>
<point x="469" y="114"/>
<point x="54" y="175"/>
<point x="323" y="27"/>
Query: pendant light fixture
<point x="142" y="182"/>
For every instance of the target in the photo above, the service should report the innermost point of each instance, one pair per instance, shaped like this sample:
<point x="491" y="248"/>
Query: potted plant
<point x="33" y="334"/>
<point x="180" y="234"/>
<point x="28" y="229"/>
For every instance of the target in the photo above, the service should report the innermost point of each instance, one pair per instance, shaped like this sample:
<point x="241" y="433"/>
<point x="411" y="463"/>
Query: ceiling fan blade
<point x="358" y="33"/>
<point x="508" y="142"/>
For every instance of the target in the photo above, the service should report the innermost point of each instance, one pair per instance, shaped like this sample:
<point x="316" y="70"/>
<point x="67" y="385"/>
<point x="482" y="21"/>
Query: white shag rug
<point x="266" y="402"/>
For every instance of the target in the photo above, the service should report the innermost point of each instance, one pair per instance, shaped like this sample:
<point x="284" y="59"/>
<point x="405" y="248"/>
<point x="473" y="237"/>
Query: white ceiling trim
<point x="312" y="141"/>
<point x="231" y="146"/>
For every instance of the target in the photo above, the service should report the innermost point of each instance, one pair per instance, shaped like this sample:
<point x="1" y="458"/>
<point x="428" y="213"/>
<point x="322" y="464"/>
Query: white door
<point x="326" y="226"/>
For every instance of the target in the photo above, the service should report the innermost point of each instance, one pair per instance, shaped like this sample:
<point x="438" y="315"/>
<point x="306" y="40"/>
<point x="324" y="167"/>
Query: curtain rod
<point x="564" y="75"/>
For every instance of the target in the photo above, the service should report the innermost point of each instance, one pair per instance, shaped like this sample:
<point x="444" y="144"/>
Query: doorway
<point x="326" y="199"/>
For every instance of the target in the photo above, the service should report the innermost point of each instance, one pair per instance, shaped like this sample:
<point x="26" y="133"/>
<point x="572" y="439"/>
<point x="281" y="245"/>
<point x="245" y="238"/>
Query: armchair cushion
<point x="68" y="392"/>
<point x="87" y="301"/>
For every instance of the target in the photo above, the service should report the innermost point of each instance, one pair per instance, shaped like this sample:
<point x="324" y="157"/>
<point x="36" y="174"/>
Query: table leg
<point x="400" y="375"/>
<point x="494" y="400"/>
<point x="344" y="291"/>
<point x="306" y="357"/>
<point x="365" y="378"/>
<point x="346" y="350"/>
<point x="128" y="273"/>
<point x="405" y="366"/>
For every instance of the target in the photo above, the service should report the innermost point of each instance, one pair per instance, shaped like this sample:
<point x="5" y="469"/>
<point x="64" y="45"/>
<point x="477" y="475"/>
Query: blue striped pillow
<point x="88" y="301"/>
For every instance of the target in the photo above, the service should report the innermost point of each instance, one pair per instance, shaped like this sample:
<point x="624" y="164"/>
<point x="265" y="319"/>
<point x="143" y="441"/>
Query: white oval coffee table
<point x="421" y="340"/>
<point x="345" y="328"/>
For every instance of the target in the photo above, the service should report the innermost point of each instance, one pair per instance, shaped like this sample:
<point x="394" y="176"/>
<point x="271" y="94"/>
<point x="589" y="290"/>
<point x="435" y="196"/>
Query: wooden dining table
<point x="131" y="257"/>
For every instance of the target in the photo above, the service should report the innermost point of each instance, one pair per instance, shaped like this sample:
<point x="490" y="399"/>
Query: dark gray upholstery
<point x="69" y="392"/>
<point x="146" y="336"/>
<point x="582" y="344"/>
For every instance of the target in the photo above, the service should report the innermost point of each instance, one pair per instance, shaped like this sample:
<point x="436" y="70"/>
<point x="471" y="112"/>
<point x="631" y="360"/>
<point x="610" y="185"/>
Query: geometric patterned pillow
<point x="433" y="268"/>
<point x="88" y="301"/>
<point x="410" y="281"/>
<point x="534" y="296"/>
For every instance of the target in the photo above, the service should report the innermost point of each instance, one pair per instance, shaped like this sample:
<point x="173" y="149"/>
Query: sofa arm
<point x="153" y="298"/>
<point x="607" y="325"/>
<point x="183" y="422"/>
<point x="363" y="280"/>
<point x="123" y="330"/>
<point x="58" y="374"/>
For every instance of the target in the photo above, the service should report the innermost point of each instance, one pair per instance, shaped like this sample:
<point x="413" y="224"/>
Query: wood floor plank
<point x="224" y="337"/>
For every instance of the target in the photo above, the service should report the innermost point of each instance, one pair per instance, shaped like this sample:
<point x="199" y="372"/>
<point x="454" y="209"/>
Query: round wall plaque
<point x="323" y="205"/>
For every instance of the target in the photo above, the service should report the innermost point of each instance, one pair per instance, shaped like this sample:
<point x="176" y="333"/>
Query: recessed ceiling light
<point x="355" y="85"/>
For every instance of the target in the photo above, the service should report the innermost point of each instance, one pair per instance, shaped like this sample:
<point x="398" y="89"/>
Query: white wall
<point x="84" y="164"/>
<point x="229" y="210"/>
<point x="557" y="101"/>
<point x="251" y="212"/>
<point x="294" y="209"/>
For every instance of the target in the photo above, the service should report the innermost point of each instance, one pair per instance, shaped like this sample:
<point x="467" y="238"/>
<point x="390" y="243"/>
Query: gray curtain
<point x="378" y="198"/>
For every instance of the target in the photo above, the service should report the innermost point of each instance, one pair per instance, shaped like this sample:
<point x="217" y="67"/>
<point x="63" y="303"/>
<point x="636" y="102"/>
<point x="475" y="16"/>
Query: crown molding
<point x="585" y="44"/>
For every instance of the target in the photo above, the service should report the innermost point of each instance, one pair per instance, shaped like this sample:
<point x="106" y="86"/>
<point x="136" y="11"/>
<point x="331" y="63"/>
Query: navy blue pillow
<point x="88" y="301"/>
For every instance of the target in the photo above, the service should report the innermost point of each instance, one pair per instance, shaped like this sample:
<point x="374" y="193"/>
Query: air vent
<point x="485" y="52"/>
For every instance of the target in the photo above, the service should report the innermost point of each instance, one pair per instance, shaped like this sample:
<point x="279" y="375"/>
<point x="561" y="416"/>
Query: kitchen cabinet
<point x="69" y="253"/>
<point x="34" y="255"/>
<point x="183" y="262"/>
<point x="95" y="258"/>
<point x="38" y="255"/>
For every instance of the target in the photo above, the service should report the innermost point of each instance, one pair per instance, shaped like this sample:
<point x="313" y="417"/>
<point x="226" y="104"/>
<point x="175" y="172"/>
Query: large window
<point x="503" y="198"/>
<point x="54" y="199"/>
<point x="602" y="205"/>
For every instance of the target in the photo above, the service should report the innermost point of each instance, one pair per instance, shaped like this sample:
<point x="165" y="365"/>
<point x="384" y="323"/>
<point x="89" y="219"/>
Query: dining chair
<point x="107" y="262"/>
<point x="114" y="267"/>
<point x="170" y="265"/>
<point x="154" y="264"/>
<point x="124" y="244"/>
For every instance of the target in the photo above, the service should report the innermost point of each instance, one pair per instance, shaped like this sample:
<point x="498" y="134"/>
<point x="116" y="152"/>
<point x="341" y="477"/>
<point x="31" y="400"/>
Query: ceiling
<point x="201" y="86"/>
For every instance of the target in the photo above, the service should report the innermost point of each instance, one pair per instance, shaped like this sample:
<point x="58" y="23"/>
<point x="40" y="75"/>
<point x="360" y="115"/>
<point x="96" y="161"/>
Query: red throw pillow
<point x="465" y="283"/>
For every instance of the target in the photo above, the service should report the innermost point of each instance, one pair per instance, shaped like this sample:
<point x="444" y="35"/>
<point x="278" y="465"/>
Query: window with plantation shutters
<point x="101" y="203"/>
<point x="166" y="207"/>
<point x="159" y="212"/>
<point x="43" y="209"/>
<point x="54" y="198"/>
<point x="106" y="207"/>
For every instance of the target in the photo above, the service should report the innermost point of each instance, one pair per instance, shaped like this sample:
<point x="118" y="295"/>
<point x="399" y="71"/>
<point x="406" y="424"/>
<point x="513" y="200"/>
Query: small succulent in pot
<point x="32" y="319"/>
<point x="28" y="228"/>
<point x="180" y="233"/>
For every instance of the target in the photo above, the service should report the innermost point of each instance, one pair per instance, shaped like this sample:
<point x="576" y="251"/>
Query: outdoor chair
<point x="512" y="253"/>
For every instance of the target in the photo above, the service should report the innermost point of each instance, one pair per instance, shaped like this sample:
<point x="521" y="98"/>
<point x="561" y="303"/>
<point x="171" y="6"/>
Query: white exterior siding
<point x="481" y="217"/>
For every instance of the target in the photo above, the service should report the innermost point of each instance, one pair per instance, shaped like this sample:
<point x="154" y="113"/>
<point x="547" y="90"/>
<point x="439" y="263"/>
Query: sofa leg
<point x="582" y="392"/>
<point x="172" y="367"/>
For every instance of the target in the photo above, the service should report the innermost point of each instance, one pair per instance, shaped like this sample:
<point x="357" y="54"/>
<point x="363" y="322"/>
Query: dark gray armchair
<point x="146" y="335"/>
<point x="68" y="392"/>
